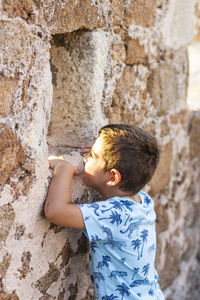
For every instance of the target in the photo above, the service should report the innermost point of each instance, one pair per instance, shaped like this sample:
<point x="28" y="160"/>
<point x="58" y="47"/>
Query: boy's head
<point x="133" y="152"/>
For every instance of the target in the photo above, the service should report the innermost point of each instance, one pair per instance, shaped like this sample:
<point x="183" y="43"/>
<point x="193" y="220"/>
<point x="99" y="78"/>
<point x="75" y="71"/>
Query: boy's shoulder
<point x="118" y="206"/>
<point x="121" y="202"/>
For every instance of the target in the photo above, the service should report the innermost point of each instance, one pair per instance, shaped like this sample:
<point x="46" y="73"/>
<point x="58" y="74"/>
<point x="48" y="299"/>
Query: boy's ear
<point x="114" y="177"/>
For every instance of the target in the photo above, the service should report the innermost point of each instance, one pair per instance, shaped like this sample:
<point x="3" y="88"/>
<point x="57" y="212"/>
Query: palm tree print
<point x="115" y="205"/>
<point x="147" y="200"/>
<point x="94" y="238"/>
<point x="111" y="297"/>
<point x="136" y="244"/>
<point x="93" y="244"/>
<point x="123" y="289"/>
<point x="144" y="235"/>
<point x="114" y="217"/>
<point x="127" y="204"/>
<point x="135" y="271"/>
<point x="151" y="292"/>
<point x="145" y="269"/>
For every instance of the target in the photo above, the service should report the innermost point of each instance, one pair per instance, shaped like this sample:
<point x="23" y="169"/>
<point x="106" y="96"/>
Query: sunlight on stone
<point x="194" y="76"/>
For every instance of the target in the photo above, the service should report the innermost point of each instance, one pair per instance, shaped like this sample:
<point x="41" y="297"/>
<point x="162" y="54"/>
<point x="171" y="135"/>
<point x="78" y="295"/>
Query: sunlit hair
<point x="133" y="152"/>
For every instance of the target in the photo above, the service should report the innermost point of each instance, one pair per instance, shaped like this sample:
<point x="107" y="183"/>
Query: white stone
<point x="177" y="25"/>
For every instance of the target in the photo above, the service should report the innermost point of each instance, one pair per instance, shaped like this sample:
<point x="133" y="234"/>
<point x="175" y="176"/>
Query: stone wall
<point x="67" y="68"/>
<point x="197" y="21"/>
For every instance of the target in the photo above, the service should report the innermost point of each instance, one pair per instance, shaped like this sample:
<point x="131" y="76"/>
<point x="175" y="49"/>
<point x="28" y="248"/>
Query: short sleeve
<point x="99" y="218"/>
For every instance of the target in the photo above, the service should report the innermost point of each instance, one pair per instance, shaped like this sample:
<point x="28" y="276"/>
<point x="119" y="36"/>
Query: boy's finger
<point x="51" y="163"/>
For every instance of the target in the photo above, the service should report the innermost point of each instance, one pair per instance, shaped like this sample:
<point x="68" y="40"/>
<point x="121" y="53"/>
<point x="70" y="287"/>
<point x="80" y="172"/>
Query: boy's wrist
<point x="64" y="168"/>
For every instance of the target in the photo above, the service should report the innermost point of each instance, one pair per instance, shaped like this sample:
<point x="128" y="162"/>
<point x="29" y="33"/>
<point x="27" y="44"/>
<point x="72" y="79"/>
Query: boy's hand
<point x="54" y="164"/>
<point x="59" y="208"/>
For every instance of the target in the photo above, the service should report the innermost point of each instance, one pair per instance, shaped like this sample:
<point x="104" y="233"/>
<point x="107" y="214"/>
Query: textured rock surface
<point x="197" y="21"/>
<point x="66" y="69"/>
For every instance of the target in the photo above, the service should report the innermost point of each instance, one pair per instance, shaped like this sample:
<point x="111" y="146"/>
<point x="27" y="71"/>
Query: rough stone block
<point x="140" y="12"/>
<point x="67" y="16"/>
<point x="5" y="263"/>
<point x="7" y="217"/>
<point x="197" y="22"/>
<point x="11" y="153"/>
<point x="78" y="61"/>
<point x="7" y="90"/>
<point x="5" y="296"/>
<point x="171" y="268"/>
<point x="121" y="109"/>
<point x="15" y="48"/>
<point x="162" y="218"/>
<point x="194" y="129"/>
<point x="162" y="86"/>
<point x="176" y="26"/>
<point x="164" y="126"/>
<point x="162" y="175"/>
<point x="18" y="8"/>
<point x="181" y="117"/>
<point x="117" y="12"/>
<point x="135" y="53"/>
<point x="118" y="53"/>
<point x="45" y="281"/>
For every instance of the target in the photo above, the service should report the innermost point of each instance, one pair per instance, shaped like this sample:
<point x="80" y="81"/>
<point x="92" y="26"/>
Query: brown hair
<point x="133" y="152"/>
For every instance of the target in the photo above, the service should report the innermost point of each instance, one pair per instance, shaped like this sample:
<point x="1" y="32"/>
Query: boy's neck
<point x="106" y="194"/>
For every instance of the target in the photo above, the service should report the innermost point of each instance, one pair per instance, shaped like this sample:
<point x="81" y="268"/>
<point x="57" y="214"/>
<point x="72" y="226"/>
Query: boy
<point x="121" y="227"/>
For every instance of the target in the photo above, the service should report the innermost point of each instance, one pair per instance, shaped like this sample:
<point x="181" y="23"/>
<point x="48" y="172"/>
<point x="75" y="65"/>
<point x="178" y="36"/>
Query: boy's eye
<point x="90" y="154"/>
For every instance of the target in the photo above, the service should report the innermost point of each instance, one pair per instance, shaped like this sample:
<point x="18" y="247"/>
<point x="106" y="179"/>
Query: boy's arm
<point x="58" y="206"/>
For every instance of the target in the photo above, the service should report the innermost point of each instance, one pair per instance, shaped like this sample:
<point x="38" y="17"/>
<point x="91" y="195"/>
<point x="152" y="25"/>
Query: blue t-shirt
<point x="122" y="241"/>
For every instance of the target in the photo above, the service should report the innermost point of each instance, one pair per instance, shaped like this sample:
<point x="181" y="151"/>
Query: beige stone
<point x="5" y="296"/>
<point x="7" y="217"/>
<point x="195" y="135"/>
<point x="162" y="218"/>
<point x="5" y="263"/>
<point x="25" y="259"/>
<point x="135" y="53"/>
<point x="140" y="12"/>
<point x="78" y="62"/>
<point x="51" y="276"/>
<point x="122" y="96"/>
<point x="171" y="268"/>
<point x="162" y="86"/>
<point x="164" y="128"/>
<point x="7" y="90"/>
<point x="18" y="8"/>
<point x="162" y="175"/>
<point x="118" y="53"/>
<point x="15" y="48"/>
<point x="180" y="21"/>
<point x="181" y="117"/>
<point x="69" y="16"/>
<point x="117" y="12"/>
<point x="197" y="22"/>
<point x="11" y="153"/>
